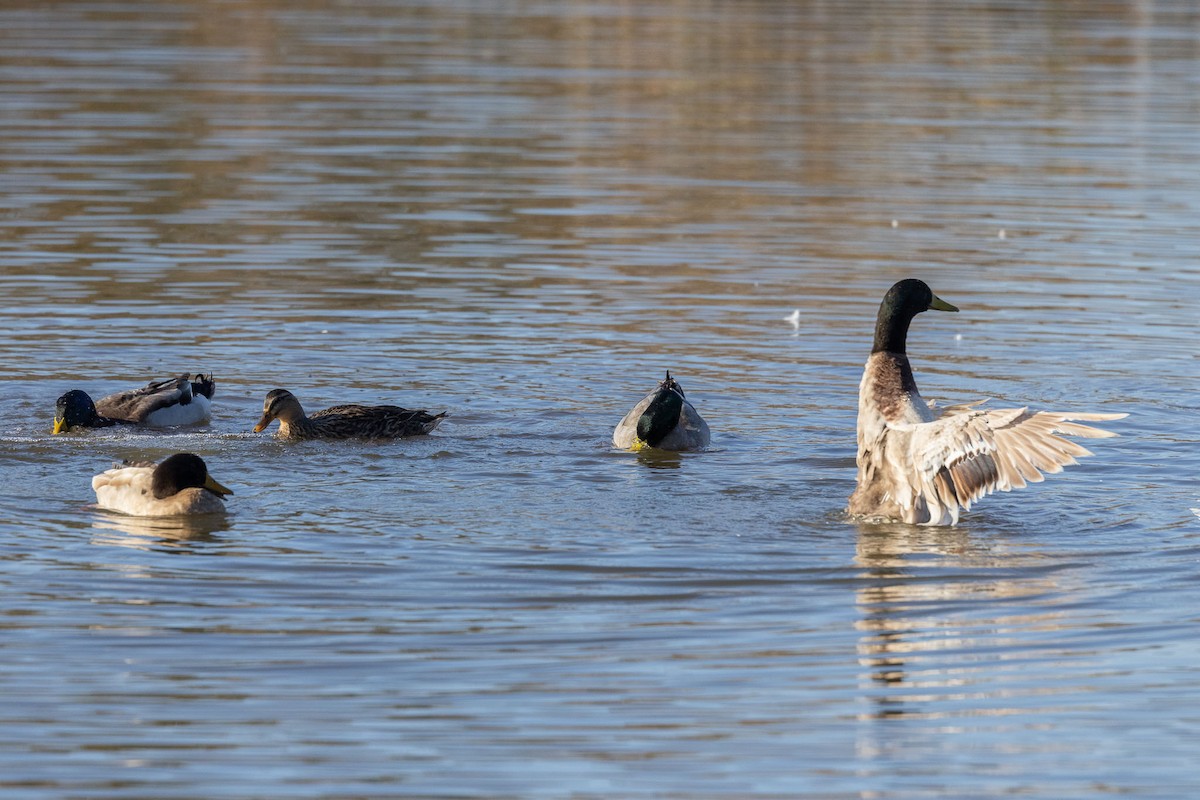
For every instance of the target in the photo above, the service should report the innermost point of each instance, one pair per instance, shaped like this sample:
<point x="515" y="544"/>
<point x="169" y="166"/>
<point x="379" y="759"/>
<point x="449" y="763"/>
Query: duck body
<point x="175" y="401"/>
<point x="344" y="421"/>
<point x="663" y="419"/>
<point x="179" y="485"/>
<point x="887" y="396"/>
<point x="923" y="466"/>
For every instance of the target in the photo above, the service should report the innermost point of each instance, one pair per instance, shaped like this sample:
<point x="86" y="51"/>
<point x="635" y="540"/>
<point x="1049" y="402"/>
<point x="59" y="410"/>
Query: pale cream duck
<point x="179" y="485"/>
<point x="925" y="466"/>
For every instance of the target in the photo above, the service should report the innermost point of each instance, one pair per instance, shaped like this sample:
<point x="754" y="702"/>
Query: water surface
<point x="524" y="213"/>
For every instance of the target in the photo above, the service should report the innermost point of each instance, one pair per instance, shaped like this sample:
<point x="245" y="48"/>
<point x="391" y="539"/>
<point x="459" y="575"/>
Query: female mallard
<point x="343" y="422"/>
<point x="175" y="401"/>
<point x="662" y="419"/>
<point x="179" y="485"/>
<point x="920" y="467"/>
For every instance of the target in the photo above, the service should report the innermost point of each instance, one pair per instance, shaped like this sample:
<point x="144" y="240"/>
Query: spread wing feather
<point x="966" y="454"/>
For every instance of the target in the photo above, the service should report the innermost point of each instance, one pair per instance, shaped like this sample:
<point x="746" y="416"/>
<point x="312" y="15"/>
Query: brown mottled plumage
<point x="919" y="466"/>
<point x="343" y="422"/>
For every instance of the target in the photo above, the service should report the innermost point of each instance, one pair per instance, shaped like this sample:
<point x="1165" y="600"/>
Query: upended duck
<point x="663" y="419"/>
<point x="920" y="466"/>
<point x="343" y="422"/>
<point x="184" y="400"/>
<point x="178" y="485"/>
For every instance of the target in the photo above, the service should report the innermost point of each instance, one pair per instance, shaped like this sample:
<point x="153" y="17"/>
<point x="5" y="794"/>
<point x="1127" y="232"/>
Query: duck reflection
<point x="889" y="598"/>
<point x="938" y="612"/>
<point x="654" y="458"/>
<point x="179" y="533"/>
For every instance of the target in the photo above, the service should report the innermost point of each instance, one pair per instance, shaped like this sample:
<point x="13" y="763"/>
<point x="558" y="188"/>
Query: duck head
<point x="74" y="410"/>
<point x="902" y="302"/>
<point x="184" y="471"/>
<point x="279" y="404"/>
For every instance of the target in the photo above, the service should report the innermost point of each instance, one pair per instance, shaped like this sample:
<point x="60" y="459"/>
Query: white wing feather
<point x="967" y="454"/>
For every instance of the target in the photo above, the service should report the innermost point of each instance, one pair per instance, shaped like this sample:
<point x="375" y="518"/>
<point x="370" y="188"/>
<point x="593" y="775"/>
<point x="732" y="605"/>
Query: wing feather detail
<point x="137" y="404"/>
<point x="967" y="454"/>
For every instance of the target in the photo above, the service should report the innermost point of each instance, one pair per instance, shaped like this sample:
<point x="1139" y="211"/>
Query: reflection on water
<point x="933" y="605"/>
<point x="516" y="211"/>
<point x="660" y="459"/>
<point x="976" y="638"/>
<point x="144" y="533"/>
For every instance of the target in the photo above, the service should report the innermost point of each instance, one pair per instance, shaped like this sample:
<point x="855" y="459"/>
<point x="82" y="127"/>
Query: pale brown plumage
<point x="918" y="466"/>
<point x="343" y="422"/>
<point x="179" y="485"/>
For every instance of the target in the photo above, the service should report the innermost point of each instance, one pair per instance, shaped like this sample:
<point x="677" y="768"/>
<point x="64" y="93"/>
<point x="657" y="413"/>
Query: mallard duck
<point x="174" y="401"/>
<point x="662" y="419"/>
<point x="919" y="466"/>
<point x="343" y="422"/>
<point x="179" y="485"/>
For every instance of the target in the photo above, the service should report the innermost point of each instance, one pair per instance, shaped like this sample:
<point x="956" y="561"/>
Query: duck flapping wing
<point x="968" y="453"/>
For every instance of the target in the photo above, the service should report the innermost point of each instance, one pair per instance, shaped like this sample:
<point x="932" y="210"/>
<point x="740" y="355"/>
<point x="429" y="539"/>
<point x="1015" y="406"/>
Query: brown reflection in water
<point x="179" y="534"/>
<point x="660" y="459"/>
<point x="385" y="131"/>
<point x="930" y="641"/>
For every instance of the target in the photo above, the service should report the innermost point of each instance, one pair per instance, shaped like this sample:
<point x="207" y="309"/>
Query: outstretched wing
<point x="957" y="408"/>
<point x="963" y="456"/>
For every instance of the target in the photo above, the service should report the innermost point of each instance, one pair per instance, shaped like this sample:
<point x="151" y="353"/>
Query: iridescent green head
<point x="74" y="410"/>
<point x="902" y="302"/>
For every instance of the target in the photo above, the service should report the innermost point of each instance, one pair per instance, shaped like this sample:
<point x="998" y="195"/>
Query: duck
<point x="343" y="422"/>
<point x="924" y="466"/>
<point x="184" y="400"/>
<point x="178" y="485"/>
<point x="663" y="419"/>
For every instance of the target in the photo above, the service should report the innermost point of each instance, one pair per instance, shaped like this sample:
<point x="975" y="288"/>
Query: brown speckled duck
<point x="343" y="422"/>
<point x="922" y="466"/>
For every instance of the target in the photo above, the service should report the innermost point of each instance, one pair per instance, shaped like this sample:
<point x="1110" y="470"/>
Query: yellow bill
<point x="60" y="425"/>
<point x="215" y="487"/>
<point x="939" y="304"/>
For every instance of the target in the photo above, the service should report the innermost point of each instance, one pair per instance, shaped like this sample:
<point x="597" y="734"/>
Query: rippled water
<point x="523" y="212"/>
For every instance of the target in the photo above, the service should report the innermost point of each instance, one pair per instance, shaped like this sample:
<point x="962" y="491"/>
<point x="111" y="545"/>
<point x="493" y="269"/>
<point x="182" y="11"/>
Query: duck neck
<point x="889" y="391"/>
<point x="299" y="427"/>
<point x="891" y="332"/>
<point x="900" y="367"/>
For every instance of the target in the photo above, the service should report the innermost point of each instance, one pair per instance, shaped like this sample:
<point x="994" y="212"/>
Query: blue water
<point x="523" y="213"/>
